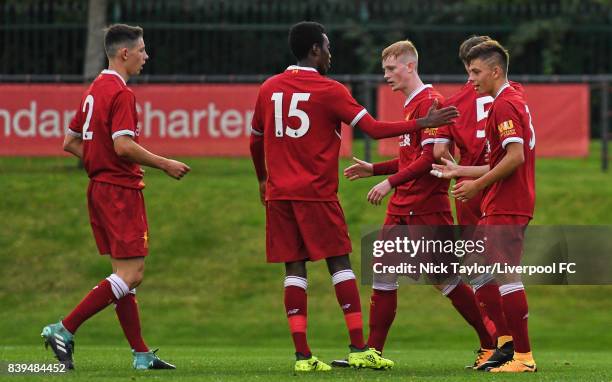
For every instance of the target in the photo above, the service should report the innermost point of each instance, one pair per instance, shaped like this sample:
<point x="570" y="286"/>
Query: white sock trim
<point x="296" y="281"/>
<point x="510" y="288"/>
<point x="385" y="286"/>
<point x="118" y="286"/>
<point x="481" y="281"/>
<point x="452" y="284"/>
<point x="344" y="275"/>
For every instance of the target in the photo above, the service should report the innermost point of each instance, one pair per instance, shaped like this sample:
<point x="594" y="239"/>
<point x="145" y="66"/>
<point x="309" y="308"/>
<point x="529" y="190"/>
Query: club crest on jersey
<point x="404" y="140"/>
<point x="506" y="128"/>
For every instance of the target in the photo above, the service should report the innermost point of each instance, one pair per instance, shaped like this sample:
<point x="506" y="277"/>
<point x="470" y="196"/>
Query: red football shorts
<point x="434" y="226"/>
<point x="504" y="237"/>
<point x="300" y="230"/>
<point x="437" y="218"/>
<point x="118" y="220"/>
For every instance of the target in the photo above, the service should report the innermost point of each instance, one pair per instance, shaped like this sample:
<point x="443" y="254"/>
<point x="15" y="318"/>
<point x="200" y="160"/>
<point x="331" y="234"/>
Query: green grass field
<point x="213" y="305"/>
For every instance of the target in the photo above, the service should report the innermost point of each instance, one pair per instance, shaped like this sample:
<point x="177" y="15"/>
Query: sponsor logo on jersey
<point x="506" y="128"/>
<point x="431" y="131"/>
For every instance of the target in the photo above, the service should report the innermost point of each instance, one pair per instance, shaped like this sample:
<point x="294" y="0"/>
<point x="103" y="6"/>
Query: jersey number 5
<point x="88" y="105"/>
<point x="280" y="130"/>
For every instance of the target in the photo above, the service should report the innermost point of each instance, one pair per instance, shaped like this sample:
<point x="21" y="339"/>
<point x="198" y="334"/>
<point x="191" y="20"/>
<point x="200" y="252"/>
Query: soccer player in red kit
<point x="468" y="134"/>
<point x="295" y="146"/>
<point x="508" y="184"/>
<point x="104" y="134"/>
<point x="420" y="199"/>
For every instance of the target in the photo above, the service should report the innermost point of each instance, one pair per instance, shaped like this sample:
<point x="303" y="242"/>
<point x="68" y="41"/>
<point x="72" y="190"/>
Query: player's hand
<point x="438" y="117"/>
<point x="176" y="169"/>
<point x="360" y="169"/>
<point x="262" y="192"/>
<point x="464" y="190"/>
<point x="378" y="192"/>
<point x="448" y="170"/>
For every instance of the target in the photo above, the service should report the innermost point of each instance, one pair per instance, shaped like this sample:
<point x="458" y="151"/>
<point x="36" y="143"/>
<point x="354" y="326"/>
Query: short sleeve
<point x="428" y="135"/>
<point x="257" y="126"/>
<point x="123" y="114"/>
<point x="443" y="135"/>
<point x="508" y="126"/>
<point x="76" y="127"/>
<point x="344" y="105"/>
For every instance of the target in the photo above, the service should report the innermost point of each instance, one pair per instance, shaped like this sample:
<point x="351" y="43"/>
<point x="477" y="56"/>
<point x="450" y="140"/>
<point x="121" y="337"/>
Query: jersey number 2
<point x="88" y="104"/>
<point x="280" y="130"/>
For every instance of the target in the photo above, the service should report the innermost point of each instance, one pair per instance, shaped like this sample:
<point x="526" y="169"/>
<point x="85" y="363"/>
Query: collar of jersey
<point x="504" y="86"/>
<point x="415" y="93"/>
<point x="108" y="71"/>
<point x="297" y="67"/>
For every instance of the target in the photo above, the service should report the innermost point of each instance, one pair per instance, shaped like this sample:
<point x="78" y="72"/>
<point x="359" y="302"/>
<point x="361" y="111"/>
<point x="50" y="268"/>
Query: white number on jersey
<point x="532" y="140"/>
<point x="88" y="104"/>
<point x="294" y="111"/>
<point x="481" y="113"/>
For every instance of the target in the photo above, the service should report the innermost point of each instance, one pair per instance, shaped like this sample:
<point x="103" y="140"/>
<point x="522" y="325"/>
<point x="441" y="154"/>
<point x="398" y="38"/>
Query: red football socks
<point x="97" y="299"/>
<point x="516" y="312"/>
<point x="383" y="305"/>
<point x="297" y="313"/>
<point x="127" y="313"/>
<point x="489" y="298"/>
<point x="463" y="299"/>
<point x="347" y="294"/>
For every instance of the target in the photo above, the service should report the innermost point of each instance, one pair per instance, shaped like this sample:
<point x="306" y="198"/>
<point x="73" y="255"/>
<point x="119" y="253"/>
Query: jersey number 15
<point x="294" y="111"/>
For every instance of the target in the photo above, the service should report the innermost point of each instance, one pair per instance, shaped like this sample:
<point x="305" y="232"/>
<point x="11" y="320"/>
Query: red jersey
<point x="509" y="121"/>
<point x="468" y="131"/>
<point x="107" y="111"/>
<point x="425" y="194"/>
<point x="299" y="113"/>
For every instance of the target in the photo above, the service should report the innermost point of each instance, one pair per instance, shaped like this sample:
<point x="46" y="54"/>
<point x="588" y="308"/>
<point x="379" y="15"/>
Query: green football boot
<point x="149" y="361"/>
<point x="369" y="358"/>
<point x="311" y="364"/>
<point x="61" y="342"/>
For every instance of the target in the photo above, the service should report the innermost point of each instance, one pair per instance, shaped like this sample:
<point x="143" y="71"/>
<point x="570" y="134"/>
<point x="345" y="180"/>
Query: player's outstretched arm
<point x="364" y="169"/>
<point x="126" y="148"/>
<point x="514" y="157"/>
<point x="381" y="129"/>
<point x="415" y="170"/>
<point x="437" y="117"/>
<point x="449" y="170"/>
<point x="361" y="169"/>
<point x="73" y="145"/>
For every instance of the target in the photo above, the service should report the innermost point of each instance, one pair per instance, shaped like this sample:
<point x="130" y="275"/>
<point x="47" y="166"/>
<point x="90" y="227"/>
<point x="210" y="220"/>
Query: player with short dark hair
<point x="508" y="183"/>
<point x="295" y="146"/>
<point x="120" y="35"/>
<point x="104" y="134"/>
<point x="419" y="200"/>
